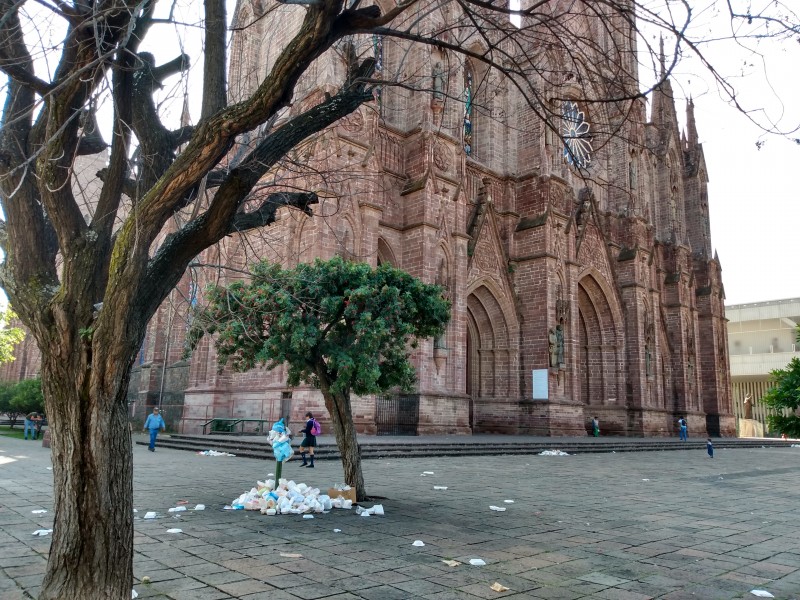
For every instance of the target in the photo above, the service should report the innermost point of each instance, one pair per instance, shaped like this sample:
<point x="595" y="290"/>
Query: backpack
<point x="316" y="428"/>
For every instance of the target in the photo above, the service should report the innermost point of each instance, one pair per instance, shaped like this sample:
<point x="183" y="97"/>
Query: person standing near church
<point x="596" y="427"/>
<point x="309" y="441"/>
<point x="683" y="429"/>
<point x="30" y="425"/>
<point x="710" y="448"/>
<point x="154" y="423"/>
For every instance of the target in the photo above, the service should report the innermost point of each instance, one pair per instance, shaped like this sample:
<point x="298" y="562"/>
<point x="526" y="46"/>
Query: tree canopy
<point x="357" y="323"/>
<point x="784" y="396"/>
<point x="340" y="326"/>
<point x="9" y="336"/>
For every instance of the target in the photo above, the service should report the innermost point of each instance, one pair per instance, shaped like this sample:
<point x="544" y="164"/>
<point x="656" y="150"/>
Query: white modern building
<point x="762" y="336"/>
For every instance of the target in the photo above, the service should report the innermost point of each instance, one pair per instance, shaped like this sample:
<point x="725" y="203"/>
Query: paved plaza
<point x="625" y="526"/>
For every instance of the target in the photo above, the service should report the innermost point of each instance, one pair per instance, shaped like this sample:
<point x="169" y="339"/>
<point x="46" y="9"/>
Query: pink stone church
<point x="579" y="262"/>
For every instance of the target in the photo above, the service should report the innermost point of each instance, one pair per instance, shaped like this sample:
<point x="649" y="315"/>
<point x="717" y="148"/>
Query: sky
<point x="754" y="196"/>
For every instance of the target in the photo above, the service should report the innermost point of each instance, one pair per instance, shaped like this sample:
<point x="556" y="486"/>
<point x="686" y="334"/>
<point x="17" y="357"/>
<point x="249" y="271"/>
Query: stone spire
<point x="691" y="125"/>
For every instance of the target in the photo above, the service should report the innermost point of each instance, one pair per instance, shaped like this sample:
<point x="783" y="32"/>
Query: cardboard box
<point x="346" y="494"/>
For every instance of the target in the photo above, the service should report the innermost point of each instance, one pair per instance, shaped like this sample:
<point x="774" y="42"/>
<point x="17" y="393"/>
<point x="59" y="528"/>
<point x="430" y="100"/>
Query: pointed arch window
<point x="469" y="108"/>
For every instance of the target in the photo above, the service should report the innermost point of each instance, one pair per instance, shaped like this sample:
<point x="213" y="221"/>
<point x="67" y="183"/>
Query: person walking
<point x="683" y="429"/>
<point x="154" y="423"/>
<point x="311" y="431"/>
<point x="710" y="448"/>
<point x="596" y="427"/>
<point x="30" y="425"/>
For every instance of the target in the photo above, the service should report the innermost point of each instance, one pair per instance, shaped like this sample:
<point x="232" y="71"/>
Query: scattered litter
<point x="451" y="563"/>
<point x="366" y="512"/>
<point x="553" y="453"/>
<point x="795" y="446"/>
<point x="135" y="511"/>
<point x="215" y="453"/>
<point x="761" y="593"/>
<point x="179" y="502"/>
<point x="41" y="511"/>
<point x="134" y="594"/>
<point x="508" y="501"/>
<point x="227" y="507"/>
<point x="498" y="508"/>
<point x="149" y="515"/>
<point x="42" y="532"/>
<point x="146" y="580"/>
<point x="50" y="469"/>
<point x="498" y="587"/>
<point x="337" y="531"/>
<point x="287" y="497"/>
<point x="174" y="530"/>
<point x="418" y="543"/>
<point x="425" y="473"/>
<point x="308" y="516"/>
<point x="200" y="507"/>
<point x="177" y="509"/>
<point x="645" y="480"/>
<point x="291" y="555"/>
<point x="440" y="487"/>
<point x="477" y="562"/>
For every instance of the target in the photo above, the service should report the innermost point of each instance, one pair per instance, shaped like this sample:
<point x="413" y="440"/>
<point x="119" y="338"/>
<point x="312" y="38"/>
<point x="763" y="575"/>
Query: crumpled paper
<point x="214" y="453"/>
<point x="498" y="587"/>
<point x="42" y="532"/>
<point x="418" y="543"/>
<point x="761" y="593"/>
<point x="451" y="563"/>
<point x="553" y="453"/>
<point x="174" y="530"/>
<point x="477" y="562"/>
<point x="497" y="508"/>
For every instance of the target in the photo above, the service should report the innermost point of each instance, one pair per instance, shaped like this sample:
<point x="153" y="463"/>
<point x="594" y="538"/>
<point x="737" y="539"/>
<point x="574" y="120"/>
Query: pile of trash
<point x="553" y="453"/>
<point x="287" y="498"/>
<point x="214" y="453"/>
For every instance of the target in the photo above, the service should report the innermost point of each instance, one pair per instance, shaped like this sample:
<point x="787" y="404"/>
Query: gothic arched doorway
<point x="491" y="359"/>
<point x="599" y="344"/>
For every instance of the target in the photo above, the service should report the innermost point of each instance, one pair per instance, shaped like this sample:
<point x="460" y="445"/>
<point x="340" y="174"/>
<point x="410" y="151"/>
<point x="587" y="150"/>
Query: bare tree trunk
<point x="91" y="554"/>
<point x="344" y="429"/>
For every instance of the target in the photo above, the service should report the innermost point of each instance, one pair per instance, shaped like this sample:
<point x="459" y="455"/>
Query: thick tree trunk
<point x="339" y="408"/>
<point x="91" y="554"/>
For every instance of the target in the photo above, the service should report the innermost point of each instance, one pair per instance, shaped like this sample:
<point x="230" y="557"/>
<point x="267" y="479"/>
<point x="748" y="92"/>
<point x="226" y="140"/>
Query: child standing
<point x="710" y="448"/>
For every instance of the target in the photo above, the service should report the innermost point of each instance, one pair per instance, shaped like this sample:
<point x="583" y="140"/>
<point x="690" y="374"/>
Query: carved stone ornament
<point x="354" y="122"/>
<point x="442" y="156"/>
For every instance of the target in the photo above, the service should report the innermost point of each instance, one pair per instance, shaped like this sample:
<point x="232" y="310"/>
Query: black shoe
<point x="311" y="466"/>
<point x="152" y="449"/>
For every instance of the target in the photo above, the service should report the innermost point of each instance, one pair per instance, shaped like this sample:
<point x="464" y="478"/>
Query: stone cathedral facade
<point x="580" y="267"/>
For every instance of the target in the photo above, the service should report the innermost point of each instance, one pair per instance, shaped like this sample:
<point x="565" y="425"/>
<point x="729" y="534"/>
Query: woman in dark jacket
<point x="309" y="442"/>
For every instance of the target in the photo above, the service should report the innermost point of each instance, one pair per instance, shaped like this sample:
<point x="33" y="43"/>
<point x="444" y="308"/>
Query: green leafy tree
<point x="340" y="326"/>
<point x="783" y="395"/>
<point x="6" y="394"/>
<point x="9" y="336"/>
<point x="28" y="397"/>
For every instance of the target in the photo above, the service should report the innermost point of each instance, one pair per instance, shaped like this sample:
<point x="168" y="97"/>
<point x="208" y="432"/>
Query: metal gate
<point x="397" y="414"/>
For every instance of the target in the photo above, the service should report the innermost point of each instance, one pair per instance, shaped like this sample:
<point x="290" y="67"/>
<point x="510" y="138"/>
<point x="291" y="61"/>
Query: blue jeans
<point x="153" y="434"/>
<point x="29" y="426"/>
<point x="682" y="434"/>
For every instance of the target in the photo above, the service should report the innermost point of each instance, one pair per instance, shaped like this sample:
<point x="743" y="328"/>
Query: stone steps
<point x="371" y="449"/>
